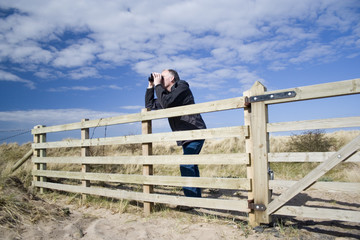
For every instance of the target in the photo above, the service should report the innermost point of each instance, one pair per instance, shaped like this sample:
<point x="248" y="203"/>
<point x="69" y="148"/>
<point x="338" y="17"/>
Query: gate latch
<point x="272" y="96"/>
<point x="256" y="207"/>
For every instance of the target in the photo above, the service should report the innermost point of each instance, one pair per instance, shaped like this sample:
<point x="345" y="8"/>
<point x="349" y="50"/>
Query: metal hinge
<point x="256" y="207"/>
<point x="273" y="96"/>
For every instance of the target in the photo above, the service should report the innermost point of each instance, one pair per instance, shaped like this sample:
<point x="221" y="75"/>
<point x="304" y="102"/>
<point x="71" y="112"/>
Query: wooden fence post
<point x="259" y="149"/>
<point x="40" y="138"/>
<point x="147" y="169"/>
<point x="85" y="151"/>
<point x="249" y="150"/>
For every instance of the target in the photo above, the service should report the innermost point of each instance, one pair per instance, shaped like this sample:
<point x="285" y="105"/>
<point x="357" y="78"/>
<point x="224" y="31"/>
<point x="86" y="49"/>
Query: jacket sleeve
<point x="174" y="98"/>
<point x="150" y="101"/>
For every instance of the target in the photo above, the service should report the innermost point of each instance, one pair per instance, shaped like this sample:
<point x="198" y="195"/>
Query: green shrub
<point x="311" y="141"/>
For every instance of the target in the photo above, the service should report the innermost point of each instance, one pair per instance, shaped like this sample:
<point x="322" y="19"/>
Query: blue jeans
<point x="193" y="147"/>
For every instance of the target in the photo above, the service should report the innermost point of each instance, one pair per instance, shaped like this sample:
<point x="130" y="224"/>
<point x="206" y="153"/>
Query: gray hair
<point x="174" y="74"/>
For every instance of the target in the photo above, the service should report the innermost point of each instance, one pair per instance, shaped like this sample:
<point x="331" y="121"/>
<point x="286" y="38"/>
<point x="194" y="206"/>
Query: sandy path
<point x="91" y="223"/>
<point x="97" y="224"/>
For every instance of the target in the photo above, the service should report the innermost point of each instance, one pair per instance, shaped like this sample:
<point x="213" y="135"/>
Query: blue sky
<point x="61" y="61"/>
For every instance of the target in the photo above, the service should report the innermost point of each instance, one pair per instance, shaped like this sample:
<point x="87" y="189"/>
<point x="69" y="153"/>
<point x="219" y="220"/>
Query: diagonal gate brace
<point x="344" y="153"/>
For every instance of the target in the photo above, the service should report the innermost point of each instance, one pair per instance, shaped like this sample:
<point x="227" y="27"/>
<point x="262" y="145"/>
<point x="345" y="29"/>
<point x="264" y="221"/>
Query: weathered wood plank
<point x="238" y="131"/>
<point x="321" y="186"/>
<point x="136" y="117"/>
<point x="345" y="152"/>
<point x="214" y="106"/>
<point x="314" y="124"/>
<point x="250" y="167"/>
<point x="146" y="128"/>
<point x="201" y="182"/>
<point x="39" y="138"/>
<point x="320" y="213"/>
<point x="260" y="149"/>
<point x="235" y="205"/>
<point x="22" y="160"/>
<point x="207" y="159"/>
<point x="85" y="152"/>
<point x="307" y="157"/>
<point x="220" y="105"/>
<point x="36" y="153"/>
<point x="323" y="90"/>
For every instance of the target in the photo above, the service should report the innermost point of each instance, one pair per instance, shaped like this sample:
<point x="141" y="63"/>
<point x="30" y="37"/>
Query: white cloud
<point x="53" y="116"/>
<point x="44" y="74"/>
<point x="247" y="78"/>
<point x="77" y="55"/>
<point x="84" y="72"/>
<point x="6" y="76"/>
<point x="315" y="51"/>
<point x="135" y="107"/>
<point x="115" y="87"/>
<point x="277" y="66"/>
<point x="84" y="88"/>
<point x="73" y="88"/>
<point x="30" y="52"/>
<point x="196" y="37"/>
<point x="160" y="125"/>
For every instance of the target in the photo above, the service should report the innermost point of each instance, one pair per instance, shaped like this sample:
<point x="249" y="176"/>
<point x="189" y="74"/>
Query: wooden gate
<point x="255" y="131"/>
<point x="260" y="129"/>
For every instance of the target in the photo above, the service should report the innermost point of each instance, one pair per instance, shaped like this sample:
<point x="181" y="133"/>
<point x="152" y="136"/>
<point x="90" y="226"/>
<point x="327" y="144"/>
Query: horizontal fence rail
<point x="256" y="157"/>
<point x="324" y="90"/>
<point x="227" y="104"/>
<point x="234" y="205"/>
<point x="307" y="157"/>
<point x="322" y="186"/>
<point x="241" y="131"/>
<point x="324" y="213"/>
<point x="314" y="124"/>
<point x="201" y="182"/>
<point x="208" y="159"/>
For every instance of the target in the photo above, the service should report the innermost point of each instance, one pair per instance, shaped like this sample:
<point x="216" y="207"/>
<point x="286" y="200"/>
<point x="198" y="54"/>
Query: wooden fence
<point x="259" y="206"/>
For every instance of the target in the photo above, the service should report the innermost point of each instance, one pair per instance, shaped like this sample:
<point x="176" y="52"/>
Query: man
<point x="173" y="92"/>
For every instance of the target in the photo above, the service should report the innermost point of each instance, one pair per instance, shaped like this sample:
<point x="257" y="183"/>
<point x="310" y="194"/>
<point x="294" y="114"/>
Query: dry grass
<point x="14" y="187"/>
<point x="10" y="153"/>
<point x="345" y="172"/>
<point x="18" y="205"/>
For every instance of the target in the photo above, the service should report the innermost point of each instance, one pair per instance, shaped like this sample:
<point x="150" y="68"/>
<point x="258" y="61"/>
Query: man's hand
<point x="157" y="78"/>
<point x="151" y="84"/>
